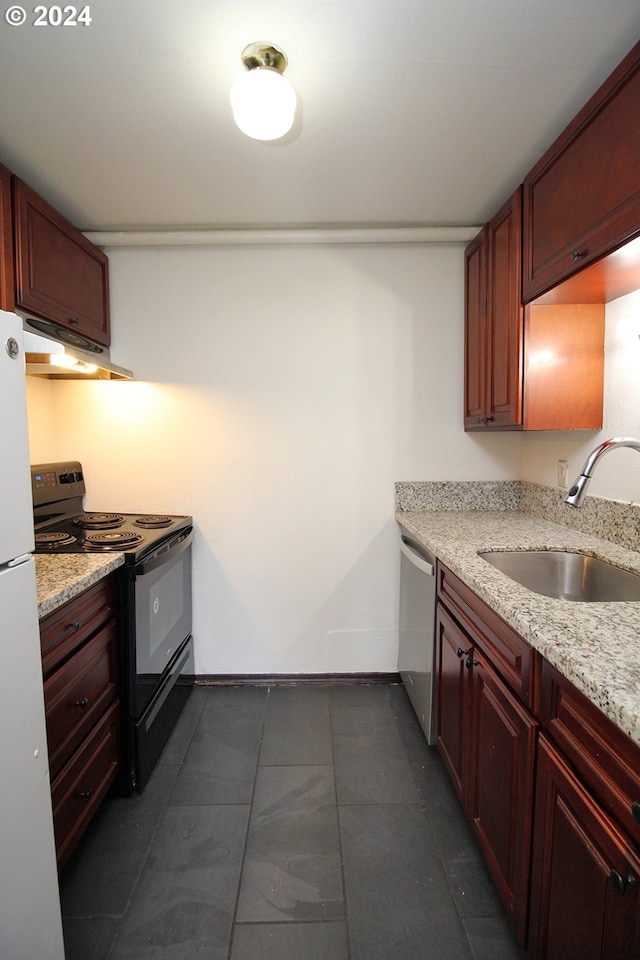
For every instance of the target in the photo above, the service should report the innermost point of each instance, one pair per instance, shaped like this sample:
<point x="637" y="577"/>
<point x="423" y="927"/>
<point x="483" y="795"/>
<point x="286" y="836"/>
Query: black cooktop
<point x="62" y="525"/>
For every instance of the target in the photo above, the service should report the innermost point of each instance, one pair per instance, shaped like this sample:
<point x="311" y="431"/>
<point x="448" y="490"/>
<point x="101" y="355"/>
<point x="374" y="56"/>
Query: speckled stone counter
<point x="63" y="577"/>
<point x="595" y="645"/>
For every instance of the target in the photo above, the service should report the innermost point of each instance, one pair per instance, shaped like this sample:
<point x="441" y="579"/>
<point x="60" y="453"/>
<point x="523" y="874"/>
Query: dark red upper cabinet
<point x="582" y="199"/>
<point x="493" y="322"/>
<point x="60" y="275"/>
<point x="7" y="301"/>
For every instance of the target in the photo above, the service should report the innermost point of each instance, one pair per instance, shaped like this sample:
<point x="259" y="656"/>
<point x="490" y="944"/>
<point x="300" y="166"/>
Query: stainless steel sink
<point x="566" y="576"/>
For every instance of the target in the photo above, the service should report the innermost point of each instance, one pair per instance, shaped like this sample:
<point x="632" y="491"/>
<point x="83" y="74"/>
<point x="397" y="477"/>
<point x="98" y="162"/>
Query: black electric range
<point x="153" y="589"/>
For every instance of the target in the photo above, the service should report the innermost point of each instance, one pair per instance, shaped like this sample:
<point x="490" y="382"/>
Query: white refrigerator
<point x="30" y="924"/>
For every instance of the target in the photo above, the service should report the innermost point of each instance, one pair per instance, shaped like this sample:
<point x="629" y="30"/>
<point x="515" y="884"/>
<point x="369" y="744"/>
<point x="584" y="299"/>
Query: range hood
<point x="60" y="354"/>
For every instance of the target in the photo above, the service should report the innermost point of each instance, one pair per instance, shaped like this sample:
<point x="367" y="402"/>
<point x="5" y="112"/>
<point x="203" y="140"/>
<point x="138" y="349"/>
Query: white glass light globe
<point x="263" y="104"/>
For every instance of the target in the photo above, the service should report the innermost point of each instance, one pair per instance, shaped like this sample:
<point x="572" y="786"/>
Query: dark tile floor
<point x="308" y="822"/>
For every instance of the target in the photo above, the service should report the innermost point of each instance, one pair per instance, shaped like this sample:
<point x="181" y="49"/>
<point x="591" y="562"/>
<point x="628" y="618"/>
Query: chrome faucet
<point x="579" y="489"/>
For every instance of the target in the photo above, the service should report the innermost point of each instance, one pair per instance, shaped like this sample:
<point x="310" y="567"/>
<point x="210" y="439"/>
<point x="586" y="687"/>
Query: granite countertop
<point x="595" y="645"/>
<point x="62" y="577"/>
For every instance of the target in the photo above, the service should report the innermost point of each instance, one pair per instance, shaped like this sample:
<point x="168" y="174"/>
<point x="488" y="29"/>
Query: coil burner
<point x="113" y="539"/>
<point x="99" y="521"/>
<point x="54" y="538"/>
<point x="152" y="523"/>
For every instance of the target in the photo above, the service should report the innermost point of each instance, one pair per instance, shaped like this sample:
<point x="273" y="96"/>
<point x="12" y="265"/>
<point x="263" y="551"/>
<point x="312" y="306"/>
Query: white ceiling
<point x="413" y="112"/>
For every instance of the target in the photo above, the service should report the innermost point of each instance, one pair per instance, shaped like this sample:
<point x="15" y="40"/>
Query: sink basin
<point x="566" y="576"/>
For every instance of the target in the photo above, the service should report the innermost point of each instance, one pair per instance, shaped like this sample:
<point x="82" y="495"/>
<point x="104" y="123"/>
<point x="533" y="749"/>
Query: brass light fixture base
<point x="264" y="55"/>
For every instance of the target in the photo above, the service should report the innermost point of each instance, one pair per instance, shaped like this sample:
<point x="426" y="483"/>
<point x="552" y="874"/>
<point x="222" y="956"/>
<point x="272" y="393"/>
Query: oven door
<point x="160" y="616"/>
<point x="154" y="727"/>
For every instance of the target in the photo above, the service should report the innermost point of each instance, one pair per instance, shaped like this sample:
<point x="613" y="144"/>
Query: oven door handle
<point x="168" y="550"/>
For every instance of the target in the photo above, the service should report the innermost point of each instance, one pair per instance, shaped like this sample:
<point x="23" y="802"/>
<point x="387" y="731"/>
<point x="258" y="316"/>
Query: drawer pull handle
<point x="86" y="794"/>
<point x="471" y="663"/>
<point x="75" y="321"/>
<point x="576" y="255"/>
<point x="75" y="625"/>
<point x="82" y="703"/>
<point x="460" y="653"/>
<point x="635" y="811"/>
<point x="621" y="883"/>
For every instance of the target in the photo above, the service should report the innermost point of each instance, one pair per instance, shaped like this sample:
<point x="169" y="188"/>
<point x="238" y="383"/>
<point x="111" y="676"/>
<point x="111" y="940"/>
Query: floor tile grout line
<point x="288" y="923"/>
<point x="136" y="883"/>
<point x="417" y="760"/>
<point x="343" y="874"/>
<point x="161" y="814"/>
<point x="248" y="829"/>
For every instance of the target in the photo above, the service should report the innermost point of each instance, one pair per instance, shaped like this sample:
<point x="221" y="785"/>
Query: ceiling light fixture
<point x="262" y="99"/>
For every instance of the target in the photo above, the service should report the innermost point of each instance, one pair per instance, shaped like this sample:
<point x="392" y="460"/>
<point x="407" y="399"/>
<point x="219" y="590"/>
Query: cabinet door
<point x="504" y="327"/>
<point x="7" y="301"/>
<point x="82" y="785"/>
<point x="502" y="747"/>
<point x="584" y="902"/>
<point x="60" y="275"/>
<point x="582" y="199"/>
<point x="494" y="322"/>
<point x="452" y="699"/>
<point x="78" y="693"/>
<point x="475" y="332"/>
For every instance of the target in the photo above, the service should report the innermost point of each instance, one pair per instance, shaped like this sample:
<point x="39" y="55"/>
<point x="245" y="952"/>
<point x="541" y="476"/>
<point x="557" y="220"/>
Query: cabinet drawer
<point x="606" y="760"/>
<point x="508" y="653"/>
<point x="78" y="693"/>
<point x="63" y="631"/>
<point x="81" y="786"/>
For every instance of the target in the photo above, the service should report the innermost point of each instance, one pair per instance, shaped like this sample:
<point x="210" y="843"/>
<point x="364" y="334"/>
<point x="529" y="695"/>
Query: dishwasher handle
<point x="410" y="550"/>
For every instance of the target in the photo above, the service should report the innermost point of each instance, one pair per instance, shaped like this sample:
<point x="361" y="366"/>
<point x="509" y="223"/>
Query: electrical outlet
<point x="563" y="474"/>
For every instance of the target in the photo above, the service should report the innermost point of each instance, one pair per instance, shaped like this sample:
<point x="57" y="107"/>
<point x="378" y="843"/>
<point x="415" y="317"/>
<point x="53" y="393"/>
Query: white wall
<point x="281" y="393"/>
<point x="618" y="474"/>
<point x="42" y="426"/>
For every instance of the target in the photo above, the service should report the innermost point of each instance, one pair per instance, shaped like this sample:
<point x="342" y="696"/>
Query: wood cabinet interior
<point x="535" y="368"/>
<point x="564" y="366"/>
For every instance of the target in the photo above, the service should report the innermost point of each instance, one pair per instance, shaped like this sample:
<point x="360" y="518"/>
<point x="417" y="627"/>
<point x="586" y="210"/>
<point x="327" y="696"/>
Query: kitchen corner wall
<point x="281" y="392"/>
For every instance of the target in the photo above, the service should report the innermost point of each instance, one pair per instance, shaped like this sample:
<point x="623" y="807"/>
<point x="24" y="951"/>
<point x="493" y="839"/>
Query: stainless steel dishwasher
<point x="417" y="629"/>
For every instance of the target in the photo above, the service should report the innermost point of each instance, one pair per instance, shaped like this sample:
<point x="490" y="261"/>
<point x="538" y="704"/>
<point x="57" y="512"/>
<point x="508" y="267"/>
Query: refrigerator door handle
<point x="18" y="560"/>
